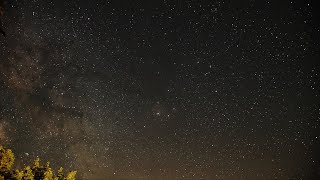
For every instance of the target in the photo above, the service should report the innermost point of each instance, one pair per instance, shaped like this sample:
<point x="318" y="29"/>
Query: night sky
<point x="163" y="89"/>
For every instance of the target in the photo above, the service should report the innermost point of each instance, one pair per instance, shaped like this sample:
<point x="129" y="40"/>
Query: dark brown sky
<point x="163" y="89"/>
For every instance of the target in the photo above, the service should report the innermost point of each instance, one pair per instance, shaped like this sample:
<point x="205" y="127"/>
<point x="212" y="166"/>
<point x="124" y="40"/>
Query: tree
<point x="7" y="159"/>
<point x="29" y="173"/>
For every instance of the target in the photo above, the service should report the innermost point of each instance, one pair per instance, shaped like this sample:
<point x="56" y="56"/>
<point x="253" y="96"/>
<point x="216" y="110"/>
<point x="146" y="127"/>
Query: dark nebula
<point x="163" y="89"/>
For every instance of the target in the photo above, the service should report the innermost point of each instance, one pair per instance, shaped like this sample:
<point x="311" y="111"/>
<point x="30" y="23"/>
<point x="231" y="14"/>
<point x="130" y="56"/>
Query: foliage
<point x="71" y="175"/>
<point x="7" y="159"/>
<point x="29" y="173"/>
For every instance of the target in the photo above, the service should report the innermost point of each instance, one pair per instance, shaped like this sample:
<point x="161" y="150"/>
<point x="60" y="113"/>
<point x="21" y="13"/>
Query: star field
<point x="163" y="89"/>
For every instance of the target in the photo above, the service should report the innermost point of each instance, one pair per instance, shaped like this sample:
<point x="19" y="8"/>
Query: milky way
<point x="161" y="89"/>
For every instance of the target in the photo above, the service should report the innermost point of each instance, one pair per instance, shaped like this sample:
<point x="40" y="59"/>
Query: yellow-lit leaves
<point x="60" y="173"/>
<point x="36" y="172"/>
<point x="48" y="174"/>
<point x="71" y="175"/>
<point x="36" y="163"/>
<point x="28" y="175"/>
<point x="7" y="159"/>
<point x="18" y="175"/>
